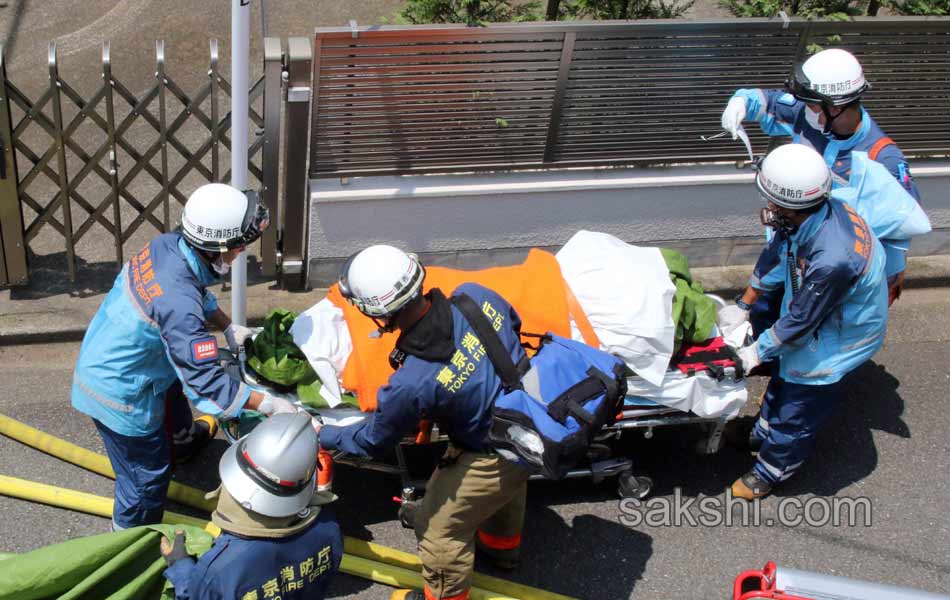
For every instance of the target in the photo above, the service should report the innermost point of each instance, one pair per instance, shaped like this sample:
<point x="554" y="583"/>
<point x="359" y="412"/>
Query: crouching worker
<point x="277" y="539"/>
<point x="833" y="314"/>
<point x="148" y="347"/>
<point x="442" y="374"/>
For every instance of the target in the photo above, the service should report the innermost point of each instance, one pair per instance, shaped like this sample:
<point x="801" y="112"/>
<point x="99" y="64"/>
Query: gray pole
<point x="240" y="50"/>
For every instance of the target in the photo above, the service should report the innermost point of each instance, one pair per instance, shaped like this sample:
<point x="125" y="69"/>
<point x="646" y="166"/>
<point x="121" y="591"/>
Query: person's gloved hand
<point x="749" y="356"/>
<point x="174" y="551"/>
<point x="731" y="317"/>
<point x="236" y="334"/>
<point x="733" y="116"/>
<point x="274" y="405"/>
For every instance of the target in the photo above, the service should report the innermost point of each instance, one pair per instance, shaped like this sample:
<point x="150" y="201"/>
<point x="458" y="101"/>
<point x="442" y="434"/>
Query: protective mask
<point x="777" y="221"/>
<point x="814" y="120"/>
<point x="220" y="267"/>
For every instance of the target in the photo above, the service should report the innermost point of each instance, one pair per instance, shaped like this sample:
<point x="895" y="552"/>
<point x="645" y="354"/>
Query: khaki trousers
<point x="470" y="494"/>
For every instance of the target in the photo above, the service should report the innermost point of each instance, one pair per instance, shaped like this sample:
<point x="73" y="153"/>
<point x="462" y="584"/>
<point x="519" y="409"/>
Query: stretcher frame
<point x="601" y="467"/>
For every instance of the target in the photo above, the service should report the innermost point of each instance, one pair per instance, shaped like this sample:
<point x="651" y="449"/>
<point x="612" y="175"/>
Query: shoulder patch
<point x="787" y="100"/>
<point x="204" y="349"/>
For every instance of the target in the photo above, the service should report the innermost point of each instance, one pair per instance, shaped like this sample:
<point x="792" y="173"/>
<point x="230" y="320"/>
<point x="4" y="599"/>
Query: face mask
<point x="813" y="119"/>
<point x="220" y="267"/>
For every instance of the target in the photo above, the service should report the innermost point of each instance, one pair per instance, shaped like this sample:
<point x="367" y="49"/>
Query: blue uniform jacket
<point x="891" y="212"/>
<point x="236" y="568"/>
<point x="838" y="317"/>
<point x="457" y="394"/>
<point x="779" y="113"/>
<point x="149" y="331"/>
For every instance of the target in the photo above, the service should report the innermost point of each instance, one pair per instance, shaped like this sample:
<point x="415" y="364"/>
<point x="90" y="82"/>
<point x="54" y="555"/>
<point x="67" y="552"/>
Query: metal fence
<point x="438" y="99"/>
<point x="113" y="162"/>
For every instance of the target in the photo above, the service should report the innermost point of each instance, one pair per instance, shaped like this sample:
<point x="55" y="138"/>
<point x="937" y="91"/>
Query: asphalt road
<point x="887" y="444"/>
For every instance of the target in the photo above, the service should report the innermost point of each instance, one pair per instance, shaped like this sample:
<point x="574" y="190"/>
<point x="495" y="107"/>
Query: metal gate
<point x="122" y="161"/>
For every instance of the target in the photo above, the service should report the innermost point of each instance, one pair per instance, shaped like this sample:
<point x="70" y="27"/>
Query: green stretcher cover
<point x="117" y="566"/>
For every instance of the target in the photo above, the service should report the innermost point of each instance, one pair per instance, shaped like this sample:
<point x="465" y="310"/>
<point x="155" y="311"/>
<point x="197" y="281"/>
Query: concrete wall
<point x="709" y="212"/>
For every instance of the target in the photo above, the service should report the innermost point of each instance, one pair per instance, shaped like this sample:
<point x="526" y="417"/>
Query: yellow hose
<point x="102" y="506"/>
<point x="411" y="562"/>
<point x="194" y="498"/>
<point x="82" y="502"/>
<point x="90" y="460"/>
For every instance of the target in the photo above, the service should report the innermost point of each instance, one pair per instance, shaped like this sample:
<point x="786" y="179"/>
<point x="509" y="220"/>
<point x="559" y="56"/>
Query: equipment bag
<point x="548" y="410"/>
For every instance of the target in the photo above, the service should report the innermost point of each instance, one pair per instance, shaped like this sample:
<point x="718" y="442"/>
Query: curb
<point x="64" y="319"/>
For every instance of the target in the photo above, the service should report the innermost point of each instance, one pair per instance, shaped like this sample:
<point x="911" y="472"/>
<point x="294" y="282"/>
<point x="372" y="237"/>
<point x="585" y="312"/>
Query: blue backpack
<point x="550" y="407"/>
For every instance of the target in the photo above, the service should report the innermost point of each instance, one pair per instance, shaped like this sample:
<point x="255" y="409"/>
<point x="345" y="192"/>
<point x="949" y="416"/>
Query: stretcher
<point x="638" y="414"/>
<point x="780" y="583"/>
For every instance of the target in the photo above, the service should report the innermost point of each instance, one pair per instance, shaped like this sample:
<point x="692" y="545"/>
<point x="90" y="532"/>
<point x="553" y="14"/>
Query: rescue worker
<point x="148" y="345"/>
<point x="442" y="374"/>
<point x="277" y="539"/>
<point x="833" y="313"/>
<point x="821" y="108"/>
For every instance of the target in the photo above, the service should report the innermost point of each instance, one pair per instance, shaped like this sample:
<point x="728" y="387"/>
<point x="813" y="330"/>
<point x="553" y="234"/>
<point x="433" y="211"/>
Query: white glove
<point x="236" y="334"/>
<point x="733" y="116"/>
<point x="274" y="405"/>
<point x="731" y="317"/>
<point x="316" y="423"/>
<point x="749" y="356"/>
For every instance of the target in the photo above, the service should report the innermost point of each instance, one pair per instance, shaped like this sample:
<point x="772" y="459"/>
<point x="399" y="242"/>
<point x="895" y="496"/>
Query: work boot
<point x="407" y="595"/>
<point x="188" y="445"/>
<point x="750" y="487"/>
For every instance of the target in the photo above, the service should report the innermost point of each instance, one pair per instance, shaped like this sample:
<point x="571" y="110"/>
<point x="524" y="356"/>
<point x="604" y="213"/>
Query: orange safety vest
<point x="535" y="289"/>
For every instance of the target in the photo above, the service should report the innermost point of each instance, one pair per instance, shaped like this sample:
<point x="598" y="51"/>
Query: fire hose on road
<point x="363" y="559"/>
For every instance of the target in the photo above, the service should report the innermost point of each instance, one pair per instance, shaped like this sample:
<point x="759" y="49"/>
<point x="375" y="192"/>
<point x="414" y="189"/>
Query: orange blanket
<point x="535" y="288"/>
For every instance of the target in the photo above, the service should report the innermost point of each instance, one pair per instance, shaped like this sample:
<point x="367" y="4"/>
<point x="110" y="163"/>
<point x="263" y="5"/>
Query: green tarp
<point x="122" y="565"/>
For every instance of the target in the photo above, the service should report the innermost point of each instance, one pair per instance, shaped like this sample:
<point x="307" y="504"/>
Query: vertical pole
<point x="61" y="161"/>
<point x="554" y="119"/>
<point x="240" y="49"/>
<point x="113" y="159"/>
<point x="215" y="115"/>
<point x="163" y="128"/>
<point x="13" y="268"/>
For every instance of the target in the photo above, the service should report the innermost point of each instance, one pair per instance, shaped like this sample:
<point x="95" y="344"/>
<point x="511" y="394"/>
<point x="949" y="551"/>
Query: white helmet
<point x="380" y="280"/>
<point x="832" y="77"/>
<point x="272" y="471"/>
<point x="794" y="176"/>
<point x="218" y="218"/>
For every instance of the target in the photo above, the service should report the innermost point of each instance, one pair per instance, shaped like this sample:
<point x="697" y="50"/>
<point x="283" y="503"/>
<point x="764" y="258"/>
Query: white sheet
<point x="700" y="394"/>
<point x="627" y="295"/>
<point x="321" y="334"/>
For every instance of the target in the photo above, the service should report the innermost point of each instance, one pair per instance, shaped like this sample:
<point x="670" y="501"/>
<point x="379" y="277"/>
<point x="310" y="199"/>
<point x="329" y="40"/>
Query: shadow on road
<point x="49" y="276"/>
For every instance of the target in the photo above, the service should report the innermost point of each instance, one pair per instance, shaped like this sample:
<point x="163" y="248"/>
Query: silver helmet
<point x="272" y="470"/>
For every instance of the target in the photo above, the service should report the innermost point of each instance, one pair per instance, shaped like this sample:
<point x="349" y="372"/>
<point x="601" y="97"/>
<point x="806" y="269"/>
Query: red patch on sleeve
<point x="204" y="349"/>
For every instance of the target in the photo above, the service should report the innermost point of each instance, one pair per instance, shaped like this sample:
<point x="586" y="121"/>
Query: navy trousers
<point x="143" y="465"/>
<point x="792" y="414"/>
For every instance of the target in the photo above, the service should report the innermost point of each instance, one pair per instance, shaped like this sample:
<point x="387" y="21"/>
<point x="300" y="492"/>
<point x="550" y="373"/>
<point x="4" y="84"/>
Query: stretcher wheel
<point x="632" y="486"/>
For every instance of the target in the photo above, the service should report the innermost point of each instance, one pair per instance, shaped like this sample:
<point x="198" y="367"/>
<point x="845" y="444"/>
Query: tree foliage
<point x="833" y="9"/>
<point x="469" y="12"/>
<point x="624" y="9"/>
<point x="478" y="12"/>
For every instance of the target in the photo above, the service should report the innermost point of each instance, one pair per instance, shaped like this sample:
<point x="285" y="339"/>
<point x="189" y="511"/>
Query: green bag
<point x="273" y="354"/>
<point x="693" y="312"/>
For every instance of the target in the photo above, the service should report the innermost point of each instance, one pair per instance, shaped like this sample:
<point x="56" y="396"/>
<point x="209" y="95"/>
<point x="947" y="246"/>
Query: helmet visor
<point x="800" y="86"/>
<point x="256" y="220"/>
